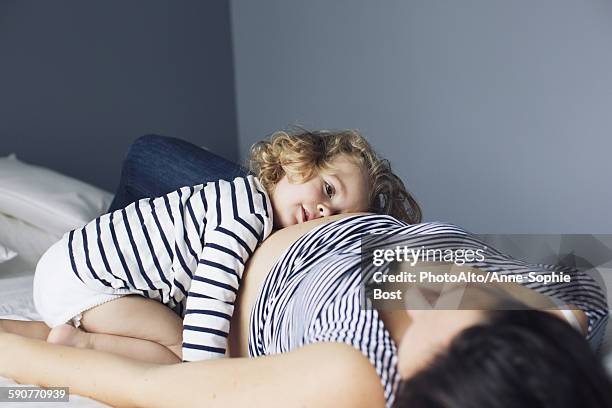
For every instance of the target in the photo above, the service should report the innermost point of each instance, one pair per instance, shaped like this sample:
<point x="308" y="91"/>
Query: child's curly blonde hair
<point x="302" y="154"/>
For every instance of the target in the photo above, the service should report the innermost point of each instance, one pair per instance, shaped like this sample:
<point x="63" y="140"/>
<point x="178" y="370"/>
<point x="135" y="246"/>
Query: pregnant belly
<point x="255" y="273"/>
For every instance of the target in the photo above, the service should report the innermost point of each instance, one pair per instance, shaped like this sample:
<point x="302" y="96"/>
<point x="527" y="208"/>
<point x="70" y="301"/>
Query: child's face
<point x="343" y="189"/>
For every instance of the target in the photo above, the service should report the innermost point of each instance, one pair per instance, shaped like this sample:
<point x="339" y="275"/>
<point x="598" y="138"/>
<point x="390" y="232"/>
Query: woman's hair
<point x="302" y="154"/>
<point x="513" y="359"/>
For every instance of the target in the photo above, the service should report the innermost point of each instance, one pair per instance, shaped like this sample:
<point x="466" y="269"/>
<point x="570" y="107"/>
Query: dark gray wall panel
<point x="79" y="80"/>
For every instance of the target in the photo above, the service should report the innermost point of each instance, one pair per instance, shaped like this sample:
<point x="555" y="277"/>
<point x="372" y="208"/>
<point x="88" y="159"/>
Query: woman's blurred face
<point x="431" y="330"/>
<point x="456" y="308"/>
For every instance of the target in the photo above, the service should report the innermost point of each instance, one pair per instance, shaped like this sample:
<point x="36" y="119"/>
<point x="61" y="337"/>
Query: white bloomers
<point x="59" y="296"/>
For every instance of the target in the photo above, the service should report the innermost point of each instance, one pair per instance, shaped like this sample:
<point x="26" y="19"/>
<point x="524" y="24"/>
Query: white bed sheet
<point x="16" y="303"/>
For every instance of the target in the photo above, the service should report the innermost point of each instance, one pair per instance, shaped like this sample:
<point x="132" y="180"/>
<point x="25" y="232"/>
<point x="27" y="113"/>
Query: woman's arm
<point x="318" y="375"/>
<point x="102" y="376"/>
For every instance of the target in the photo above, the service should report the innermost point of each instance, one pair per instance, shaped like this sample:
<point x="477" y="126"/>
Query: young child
<point x="128" y="277"/>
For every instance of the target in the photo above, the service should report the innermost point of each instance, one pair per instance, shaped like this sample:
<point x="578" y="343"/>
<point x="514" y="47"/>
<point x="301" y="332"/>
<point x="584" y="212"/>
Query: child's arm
<point x="238" y="218"/>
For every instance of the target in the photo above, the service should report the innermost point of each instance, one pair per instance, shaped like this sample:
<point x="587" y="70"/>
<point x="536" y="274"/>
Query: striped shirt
<point x="186" y="249"/>
<point x="313" y="294"/>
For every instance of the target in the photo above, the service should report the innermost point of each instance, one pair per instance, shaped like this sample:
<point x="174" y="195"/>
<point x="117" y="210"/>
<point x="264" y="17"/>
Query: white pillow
<point x="27" y="240"/>
<point x="6" y="253"/>
<point x="46" y="199"/>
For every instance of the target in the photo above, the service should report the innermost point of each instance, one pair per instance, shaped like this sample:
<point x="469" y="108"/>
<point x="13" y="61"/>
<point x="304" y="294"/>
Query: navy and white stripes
<point x="313" y="293"/>
<point x="186" y="249"/>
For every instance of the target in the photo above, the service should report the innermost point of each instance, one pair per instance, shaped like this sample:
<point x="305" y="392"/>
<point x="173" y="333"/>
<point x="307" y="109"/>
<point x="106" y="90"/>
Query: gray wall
<point x="79" y="80"/>
<point x="495" y="113"/>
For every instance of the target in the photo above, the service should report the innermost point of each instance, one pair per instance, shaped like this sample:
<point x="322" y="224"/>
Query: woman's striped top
<point x="186" y="249"/>
<point x="313" y="293"/>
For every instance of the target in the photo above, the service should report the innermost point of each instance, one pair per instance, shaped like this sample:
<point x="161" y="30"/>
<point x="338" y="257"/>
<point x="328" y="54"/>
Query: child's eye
<point x="329" y="190"/>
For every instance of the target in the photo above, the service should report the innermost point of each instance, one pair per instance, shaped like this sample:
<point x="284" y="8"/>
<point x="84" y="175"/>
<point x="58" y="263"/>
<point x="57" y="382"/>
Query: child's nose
<point x="324" y="210"/>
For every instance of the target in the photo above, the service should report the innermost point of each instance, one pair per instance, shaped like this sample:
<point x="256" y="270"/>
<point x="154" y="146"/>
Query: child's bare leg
<point x="138" y="349"/>
<point x="35" y="330"/>
<point x="132" y="326"/>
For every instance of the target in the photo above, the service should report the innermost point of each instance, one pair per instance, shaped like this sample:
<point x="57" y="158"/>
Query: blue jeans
<point x="156" y="165"/>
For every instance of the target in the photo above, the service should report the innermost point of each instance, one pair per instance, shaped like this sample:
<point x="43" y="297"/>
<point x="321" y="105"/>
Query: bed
<point x="16" y="303"/>
<point x="37" y="206"/>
